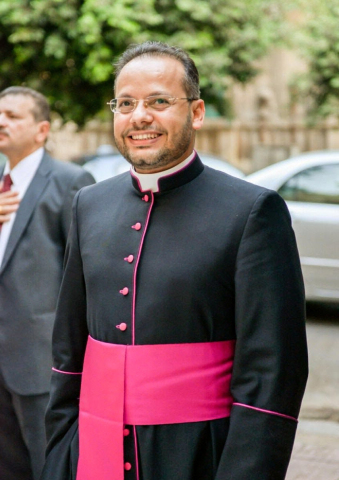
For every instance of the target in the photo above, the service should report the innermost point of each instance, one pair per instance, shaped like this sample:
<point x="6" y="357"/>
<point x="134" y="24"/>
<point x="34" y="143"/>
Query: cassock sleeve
<point x="69" y="344"/>
<point x="270" y="364"/>
<point x="81" y="179"/>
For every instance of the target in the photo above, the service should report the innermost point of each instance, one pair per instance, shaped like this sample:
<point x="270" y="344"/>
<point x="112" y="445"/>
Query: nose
<point x="141" y="114"/>
<point x="3" y="118"/>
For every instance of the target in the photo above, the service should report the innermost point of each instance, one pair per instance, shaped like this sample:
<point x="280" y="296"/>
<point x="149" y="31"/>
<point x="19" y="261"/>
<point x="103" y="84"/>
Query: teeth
<point x="144" y="136"/>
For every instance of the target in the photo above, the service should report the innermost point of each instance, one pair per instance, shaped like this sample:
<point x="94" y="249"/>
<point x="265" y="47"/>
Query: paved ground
<point x="316" y="451"/>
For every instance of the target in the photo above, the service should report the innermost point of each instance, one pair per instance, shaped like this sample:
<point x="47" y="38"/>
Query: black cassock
<point x="214" y="259"/>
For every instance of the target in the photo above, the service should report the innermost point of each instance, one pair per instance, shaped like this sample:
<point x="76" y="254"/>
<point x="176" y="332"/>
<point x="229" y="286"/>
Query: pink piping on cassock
<point x="266" y="411"/>
<point x="177" y="171"/>
<point x="163" y="176"/>
<point x="146" y="385"/>
<point x="136" y="451"/>
<point x="133" y="306"/>
<point x="136" y="267"/>
<point x="66" y="373"/>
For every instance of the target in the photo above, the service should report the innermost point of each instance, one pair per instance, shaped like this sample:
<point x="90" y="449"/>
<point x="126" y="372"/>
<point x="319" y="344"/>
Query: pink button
<point x="126" y="432"/>
<point x="137" y="226"/>
<point x="122" y="327"/>
<point x="124" y="291"/>
<point x="145" y="198"/>
<point x="127" y="466"/>
<point x="129" y="259"/>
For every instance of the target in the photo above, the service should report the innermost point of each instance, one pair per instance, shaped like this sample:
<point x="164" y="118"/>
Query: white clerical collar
<point x="149" y="181"/>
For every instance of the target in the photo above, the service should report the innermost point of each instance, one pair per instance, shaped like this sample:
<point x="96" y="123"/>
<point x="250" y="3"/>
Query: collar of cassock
<point x="174" y="177"/>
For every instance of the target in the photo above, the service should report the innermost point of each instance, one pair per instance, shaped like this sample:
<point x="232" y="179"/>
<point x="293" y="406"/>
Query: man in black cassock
<point x="180" y="321"/>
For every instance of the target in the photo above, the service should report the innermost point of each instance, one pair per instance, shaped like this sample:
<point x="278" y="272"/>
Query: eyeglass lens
<point x="127" y="104"/>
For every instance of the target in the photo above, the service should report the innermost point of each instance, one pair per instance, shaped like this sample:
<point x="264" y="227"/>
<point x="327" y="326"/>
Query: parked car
<point x="310" y="185"/>
<point x="108" y="163"/>
<point x="222" y="165"/>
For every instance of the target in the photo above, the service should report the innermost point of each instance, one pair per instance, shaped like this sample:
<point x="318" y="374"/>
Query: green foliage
<point x="65" y="48"/>
<point x="318" y="39"/>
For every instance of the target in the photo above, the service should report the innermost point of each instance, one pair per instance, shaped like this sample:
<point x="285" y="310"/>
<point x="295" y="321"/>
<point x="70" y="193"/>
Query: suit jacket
<point x="31" y="273"/>
<point x="214" y="259"/>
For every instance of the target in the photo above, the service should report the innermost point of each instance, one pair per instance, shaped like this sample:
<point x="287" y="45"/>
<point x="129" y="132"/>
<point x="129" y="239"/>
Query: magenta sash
<point x="146" y="385"/>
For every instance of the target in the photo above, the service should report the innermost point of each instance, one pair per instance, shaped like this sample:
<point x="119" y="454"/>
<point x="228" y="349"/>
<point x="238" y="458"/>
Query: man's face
<point x="20" y="133"/>
<point x="153" y="140"/>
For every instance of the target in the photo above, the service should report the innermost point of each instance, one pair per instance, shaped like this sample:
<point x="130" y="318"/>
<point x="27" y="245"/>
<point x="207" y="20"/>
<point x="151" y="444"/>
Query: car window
<point x="318" y="184"/>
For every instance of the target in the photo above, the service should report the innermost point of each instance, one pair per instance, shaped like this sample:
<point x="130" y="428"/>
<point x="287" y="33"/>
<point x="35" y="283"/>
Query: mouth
<point x="140" y="139"/>
<point x="144" y="136"/>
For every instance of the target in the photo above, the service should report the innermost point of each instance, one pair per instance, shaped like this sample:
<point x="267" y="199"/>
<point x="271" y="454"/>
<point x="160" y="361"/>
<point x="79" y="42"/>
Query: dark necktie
<point x="6" y="186"/>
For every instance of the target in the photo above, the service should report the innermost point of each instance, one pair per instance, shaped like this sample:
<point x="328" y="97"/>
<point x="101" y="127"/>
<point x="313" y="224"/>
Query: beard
<point x="165" y="155"/>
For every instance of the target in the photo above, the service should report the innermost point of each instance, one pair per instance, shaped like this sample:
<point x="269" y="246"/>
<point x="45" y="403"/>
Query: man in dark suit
<point x="180" y="322"/>
<point x="35" y="213"/>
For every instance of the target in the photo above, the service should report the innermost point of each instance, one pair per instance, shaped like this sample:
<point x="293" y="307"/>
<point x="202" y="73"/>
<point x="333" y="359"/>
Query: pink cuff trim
<point x="67" y="373"/>
<point x="266" y="411"/>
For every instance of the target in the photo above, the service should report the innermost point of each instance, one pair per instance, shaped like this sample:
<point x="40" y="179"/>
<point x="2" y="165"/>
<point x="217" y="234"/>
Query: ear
<point x="198" y="113"/>
<point x="42" y="131"/>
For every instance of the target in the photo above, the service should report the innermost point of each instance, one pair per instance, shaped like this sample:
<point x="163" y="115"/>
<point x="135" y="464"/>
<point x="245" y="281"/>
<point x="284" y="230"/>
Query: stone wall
<point x="247" y="145"/>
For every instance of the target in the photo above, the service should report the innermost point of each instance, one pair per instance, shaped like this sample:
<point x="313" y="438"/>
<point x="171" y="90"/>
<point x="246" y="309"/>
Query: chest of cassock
<point x="161" y="265"/>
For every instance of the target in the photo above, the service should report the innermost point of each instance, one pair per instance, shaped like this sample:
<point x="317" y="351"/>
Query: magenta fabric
<point x="6" y="183"/>
<point x="146" y="385"/>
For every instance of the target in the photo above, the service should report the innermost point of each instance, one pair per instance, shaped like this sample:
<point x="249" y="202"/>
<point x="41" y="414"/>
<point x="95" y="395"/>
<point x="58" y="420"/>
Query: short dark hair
<point x="41" y="110"/>
<point x="159" y="49"/>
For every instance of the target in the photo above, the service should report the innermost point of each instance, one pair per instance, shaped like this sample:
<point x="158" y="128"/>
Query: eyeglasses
<point x="155" y="102"/>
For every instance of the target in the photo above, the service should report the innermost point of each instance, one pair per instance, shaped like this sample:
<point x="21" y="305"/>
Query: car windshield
<point x="318" y="184"/>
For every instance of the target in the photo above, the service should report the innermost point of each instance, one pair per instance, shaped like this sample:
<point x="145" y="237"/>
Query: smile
<point x="145" y="136"/>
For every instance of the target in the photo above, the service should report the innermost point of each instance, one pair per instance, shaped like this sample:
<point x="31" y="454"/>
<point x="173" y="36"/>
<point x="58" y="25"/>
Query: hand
<point x="9" y="203"/>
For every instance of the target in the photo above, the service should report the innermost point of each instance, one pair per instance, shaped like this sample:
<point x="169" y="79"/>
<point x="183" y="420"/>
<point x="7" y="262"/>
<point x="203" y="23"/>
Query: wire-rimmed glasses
<point x="155" y="102"/>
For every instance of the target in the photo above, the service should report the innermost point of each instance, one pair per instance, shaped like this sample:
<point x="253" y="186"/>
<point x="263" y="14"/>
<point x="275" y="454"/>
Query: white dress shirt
<point x="149" y="181"/>
<point x="21" y="175"/>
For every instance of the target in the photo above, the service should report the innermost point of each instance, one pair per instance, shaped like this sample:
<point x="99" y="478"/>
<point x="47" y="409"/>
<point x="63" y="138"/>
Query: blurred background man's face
<point x="18" y="128"/>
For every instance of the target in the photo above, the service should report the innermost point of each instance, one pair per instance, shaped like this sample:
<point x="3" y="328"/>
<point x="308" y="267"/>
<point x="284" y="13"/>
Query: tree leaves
<point x="318" y="40"/>
<point x="66" y="49"/>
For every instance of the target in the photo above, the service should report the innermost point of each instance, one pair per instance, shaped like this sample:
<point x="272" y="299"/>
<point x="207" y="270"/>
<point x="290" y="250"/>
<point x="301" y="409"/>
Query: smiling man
<point x="180" y="321"/>
<point x="161" y="136"/>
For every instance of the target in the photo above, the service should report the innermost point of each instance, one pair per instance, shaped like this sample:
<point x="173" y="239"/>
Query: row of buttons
<point x="124" y="291"/>
<point x="129" y="259"/>
<point x="127" y="465"/>
<point x="123" y="326"/>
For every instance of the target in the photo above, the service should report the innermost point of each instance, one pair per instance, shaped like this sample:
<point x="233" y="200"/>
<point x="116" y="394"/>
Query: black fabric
<point x="266" y="450"/>
<point x="22" y="434"/>
<point x="15" y="462"/>
<point x="196" y="448"/>
<point x="30" y="411"/>
<point x="215" y="259"/>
